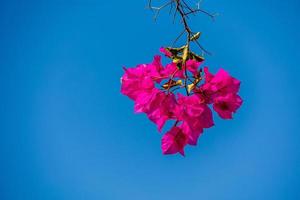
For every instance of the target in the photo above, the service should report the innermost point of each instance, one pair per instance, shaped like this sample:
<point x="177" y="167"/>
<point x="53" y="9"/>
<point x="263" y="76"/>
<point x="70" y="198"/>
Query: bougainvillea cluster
<point x="183" y="92"/>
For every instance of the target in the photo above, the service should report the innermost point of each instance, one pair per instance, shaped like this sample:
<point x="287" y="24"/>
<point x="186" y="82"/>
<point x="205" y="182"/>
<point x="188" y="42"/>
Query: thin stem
<point x="179" y="8"/>
<point x="158" y="9"/>
<point x="212" y="16"/>
<point x="179" y="36"/>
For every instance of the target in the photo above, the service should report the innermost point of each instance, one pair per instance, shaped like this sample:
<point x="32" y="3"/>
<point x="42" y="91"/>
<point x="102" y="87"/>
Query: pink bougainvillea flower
<point x="193" y="66"/>
<point x="192" y="108"/>
<point x="157" y="105"/>
<point x="161" y="109"/>
<point x="141" y="79"/>
<point x="166" y="52"/>
<point x="154" y="69"/>
<point x="193" y="132"/>
<point x="143" y="101"/>
<point x="195" y="116"/>
<point x="171" y="70"/>
<point x="208" y="75"/>
<point x="222" y="82"/>
<point x="134" y="82"/>
<point x="174" y="141"/>
<point x="226" y="105"/>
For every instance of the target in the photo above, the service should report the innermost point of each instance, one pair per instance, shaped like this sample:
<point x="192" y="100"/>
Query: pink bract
<point x="171" y="69"/>
<point x="221" y="82"/>
<point x="226" y="105"/>
<point x="174" y="141"/>
<point x="162" y="109"/>
<point x="165" y="52"/>
<point x="195" y="116"/>
<point x="134" y="82"/>
<point x="193" y="66"/>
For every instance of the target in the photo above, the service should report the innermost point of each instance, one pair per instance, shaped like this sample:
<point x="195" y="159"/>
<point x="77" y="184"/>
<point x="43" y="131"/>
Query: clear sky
<point x="66" y="132"/>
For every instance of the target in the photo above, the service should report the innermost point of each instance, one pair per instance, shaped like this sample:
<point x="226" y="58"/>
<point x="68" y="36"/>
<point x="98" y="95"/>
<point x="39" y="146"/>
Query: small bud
<point x="185" y="54"/>
<point x="172" y="83"/>
<point x="179" y="82"/>
<point x="194" y="84"/>
<point x="191" y="87"/>
<point x="195" y="36"/>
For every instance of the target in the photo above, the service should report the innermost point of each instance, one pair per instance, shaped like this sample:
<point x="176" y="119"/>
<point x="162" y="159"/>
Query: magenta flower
<point x="141" y="79"/>
<point x="157" y="105"/>
<point x="195" y="116"/>
<point x="221" y="83"/>
<point x="193" y="66"/>
<point x="191" y="108"/>
<point x="226" y="105"/>
<point x="135" y="82"/>
<point x="171" y="69"/>
<point x="174" y="141"/>
<point x="162" y="109"/>
<point x="166" y="52"/>
<point x="154" y="69"/>
<point x="193" y="132"/>
<point x="144" y="100"/>
<point x="208" y="76"/>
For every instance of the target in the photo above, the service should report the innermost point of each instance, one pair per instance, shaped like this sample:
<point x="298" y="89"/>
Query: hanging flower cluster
<point x="157" y="91"/>
<point x="181" y="91"/>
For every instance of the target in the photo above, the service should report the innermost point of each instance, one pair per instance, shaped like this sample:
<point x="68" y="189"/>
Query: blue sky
<point x="66" y="132"/>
